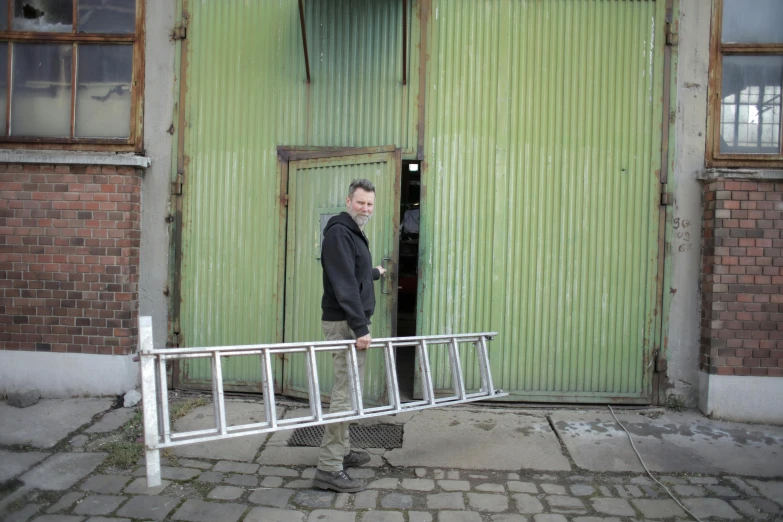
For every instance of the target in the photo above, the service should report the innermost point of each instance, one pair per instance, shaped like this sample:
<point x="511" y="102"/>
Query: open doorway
<point x="410" y="196"/>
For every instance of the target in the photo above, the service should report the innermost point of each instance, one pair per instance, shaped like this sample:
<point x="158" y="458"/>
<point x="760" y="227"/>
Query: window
<point x="71" y="74"/>
<point x="746" y="83"/>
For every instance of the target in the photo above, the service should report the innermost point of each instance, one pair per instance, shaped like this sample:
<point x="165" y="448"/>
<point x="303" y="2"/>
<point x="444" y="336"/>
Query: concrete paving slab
<point x="44" y="424"/>
<point x="112" y="420"/>
<point x="239" y="448"/>
<point x="12" y="463"/>
<point x="288" y="456"/>
<point x="467" y="439"/>
<point x="673" y="442"/>
<point x="62" y="471"/>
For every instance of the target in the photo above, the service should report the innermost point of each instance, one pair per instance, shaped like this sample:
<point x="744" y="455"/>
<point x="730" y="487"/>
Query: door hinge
<point x="667" y="198"/>
<point x="174" y="337"/>
<point x="672" y="37"/>
<point x="284" y="200"/>
<point x="661" y="364"/>
<point x="176" y="186"/>
<point x="180" y="32"/>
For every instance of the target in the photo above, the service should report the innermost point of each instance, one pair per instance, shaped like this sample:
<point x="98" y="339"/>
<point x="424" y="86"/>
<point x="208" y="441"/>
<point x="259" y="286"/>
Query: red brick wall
<point x="69" y="258"/>
<point x="742" y="278"/>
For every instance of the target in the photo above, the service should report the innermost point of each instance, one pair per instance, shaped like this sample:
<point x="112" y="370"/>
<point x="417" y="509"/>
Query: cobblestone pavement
<point x="226" y="491"/>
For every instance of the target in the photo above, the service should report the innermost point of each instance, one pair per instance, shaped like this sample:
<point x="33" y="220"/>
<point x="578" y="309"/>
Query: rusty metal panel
<point x="246" y="94"/>
<point x="541" y="191"/>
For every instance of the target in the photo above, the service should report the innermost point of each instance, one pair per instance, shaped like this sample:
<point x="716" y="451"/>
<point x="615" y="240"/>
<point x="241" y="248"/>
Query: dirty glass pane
<point x="107" y="16"/>
<point x="51" y="16"/>
<point x="750" y="106"/>
<point x="758" y="21"/>
<point x="41" y="90"/>
<point x="3" y="85"/>
<point x="3" y="15"/>
<point x="103" y="92"/>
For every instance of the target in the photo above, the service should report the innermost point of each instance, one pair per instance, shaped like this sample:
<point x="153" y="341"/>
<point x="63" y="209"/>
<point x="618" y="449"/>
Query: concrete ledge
<point x="59" y="157"/>
<point x="67" y="374"/>
<point x="742" y="399"/>
<point x="746" y="174"/>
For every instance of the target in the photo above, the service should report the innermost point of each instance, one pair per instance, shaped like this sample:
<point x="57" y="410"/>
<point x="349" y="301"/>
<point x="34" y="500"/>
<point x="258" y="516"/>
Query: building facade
<point x="596" y="181"/>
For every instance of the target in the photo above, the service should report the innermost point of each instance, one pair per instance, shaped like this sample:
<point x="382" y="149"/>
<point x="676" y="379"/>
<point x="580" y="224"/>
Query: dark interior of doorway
<point x="410" y="196"/>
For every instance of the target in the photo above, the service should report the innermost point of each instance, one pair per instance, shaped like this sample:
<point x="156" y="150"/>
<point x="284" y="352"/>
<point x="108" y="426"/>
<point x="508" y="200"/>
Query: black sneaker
<point x="355" y="458"/>
<point x="337" y="481"/>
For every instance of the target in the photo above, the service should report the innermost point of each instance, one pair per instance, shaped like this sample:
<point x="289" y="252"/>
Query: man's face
<point x="360" y="206"/>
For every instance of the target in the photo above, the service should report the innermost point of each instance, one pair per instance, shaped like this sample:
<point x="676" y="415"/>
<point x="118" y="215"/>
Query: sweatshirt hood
<point x="343" y="219"/>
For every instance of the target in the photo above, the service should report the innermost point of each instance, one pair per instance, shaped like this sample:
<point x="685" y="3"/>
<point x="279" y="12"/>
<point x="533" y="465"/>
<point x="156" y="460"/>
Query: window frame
<point x="718" y="49"/>
<point x="134" y="142"/>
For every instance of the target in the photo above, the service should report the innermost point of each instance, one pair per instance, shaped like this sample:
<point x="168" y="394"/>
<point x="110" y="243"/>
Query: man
<point x="348" y="304"/>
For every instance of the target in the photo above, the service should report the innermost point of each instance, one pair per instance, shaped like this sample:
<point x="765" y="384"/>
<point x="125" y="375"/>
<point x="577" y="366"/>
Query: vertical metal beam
<point x="456" y="369"/>
<point x="404" y="41"/>
<point x="356" y="377"/>
<point x="269" y="391"/>
<point x="484" y="361"/>
<point x="304" y="38"/>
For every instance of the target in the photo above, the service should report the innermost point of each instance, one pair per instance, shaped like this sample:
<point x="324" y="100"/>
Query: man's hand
<point x="381" y="270"/>
<point x="363" y="342"/>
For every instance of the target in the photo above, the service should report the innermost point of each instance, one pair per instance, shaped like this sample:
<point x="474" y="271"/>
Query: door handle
<point x="384" y="284"/>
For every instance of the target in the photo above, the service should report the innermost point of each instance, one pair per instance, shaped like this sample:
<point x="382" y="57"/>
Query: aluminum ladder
<point x="158" y="434"/>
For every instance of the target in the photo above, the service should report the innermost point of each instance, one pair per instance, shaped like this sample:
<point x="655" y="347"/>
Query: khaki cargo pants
<point x="336" y="442"/>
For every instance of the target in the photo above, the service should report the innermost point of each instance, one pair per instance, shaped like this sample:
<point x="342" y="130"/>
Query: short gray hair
<point x="364" y="184"/>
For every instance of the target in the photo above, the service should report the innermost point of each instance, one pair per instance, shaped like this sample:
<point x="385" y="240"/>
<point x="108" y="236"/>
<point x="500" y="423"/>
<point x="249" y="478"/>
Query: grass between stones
<point x="128" y="447"/>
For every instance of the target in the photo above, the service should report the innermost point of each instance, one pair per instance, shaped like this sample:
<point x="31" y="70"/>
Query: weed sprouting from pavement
<point x="128" y="449"/>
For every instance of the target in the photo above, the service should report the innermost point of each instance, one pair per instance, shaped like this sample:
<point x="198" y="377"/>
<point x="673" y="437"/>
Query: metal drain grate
<point x="388" y="436"/>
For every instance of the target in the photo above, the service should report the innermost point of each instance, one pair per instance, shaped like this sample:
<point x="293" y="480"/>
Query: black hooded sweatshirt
<point x="348" y="275"/>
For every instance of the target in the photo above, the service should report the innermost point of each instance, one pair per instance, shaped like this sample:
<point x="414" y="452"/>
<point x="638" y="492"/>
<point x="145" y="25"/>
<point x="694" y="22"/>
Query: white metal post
<point x="149" y="404"/>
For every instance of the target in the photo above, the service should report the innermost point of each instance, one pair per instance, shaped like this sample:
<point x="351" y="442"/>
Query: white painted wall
<point x="690" y="135"/>
<point x="67" y="374"/>
<point x="159" y="99"/>
<point x="745" y="399"/>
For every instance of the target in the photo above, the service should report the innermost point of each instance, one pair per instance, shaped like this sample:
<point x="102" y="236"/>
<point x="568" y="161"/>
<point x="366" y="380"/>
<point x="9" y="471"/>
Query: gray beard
<point x="361" y="220"/>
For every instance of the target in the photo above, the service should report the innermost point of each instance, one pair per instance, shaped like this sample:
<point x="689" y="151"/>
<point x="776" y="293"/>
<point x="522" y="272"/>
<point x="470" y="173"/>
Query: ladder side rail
<point x="149" y="410"/>
<point x="456" y="368"/>
<point x="187" y="434"/>
<point x="391" y="376"/>
<point x="347" y="418"/>
<point x="247" y="349"/>
<point x="164" y="400"/>
<point x="426" y="376"/>
<point x="315" y="386"/>
<point x="356" y="378"/>
<point x="269" y="389"/>
<point x="219" y="403"/>
<point x="487" y="368"/>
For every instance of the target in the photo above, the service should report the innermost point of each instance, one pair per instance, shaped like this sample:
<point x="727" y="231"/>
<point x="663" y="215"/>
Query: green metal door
<point x="242" y="94"/>
<point x="540" y="211"/>
<point x="316" y="191"/>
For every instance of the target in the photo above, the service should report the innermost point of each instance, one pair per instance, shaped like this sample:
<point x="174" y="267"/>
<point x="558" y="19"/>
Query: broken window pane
<point x="41" y="90"/>
<point x="3" y="85"/>
<point x="103" y="92"/>
<point x="759" y="21"/>
<point x="51" y="16"/>
<point x="107" y="16"/>
<point x="750" y="108"/>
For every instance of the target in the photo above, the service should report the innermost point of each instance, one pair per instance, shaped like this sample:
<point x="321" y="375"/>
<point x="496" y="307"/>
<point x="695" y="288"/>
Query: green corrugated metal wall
<point x="540" y="215"/>
<point x="246" y="93"/>
<point x="542" y="142"/>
